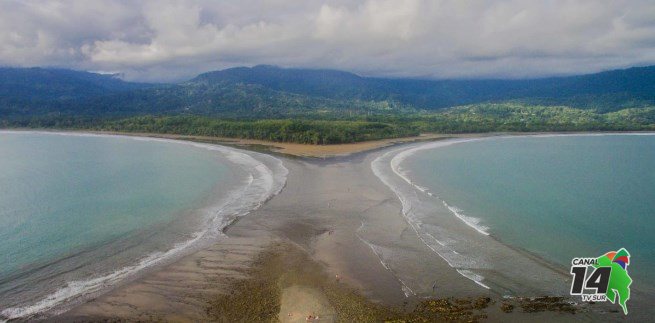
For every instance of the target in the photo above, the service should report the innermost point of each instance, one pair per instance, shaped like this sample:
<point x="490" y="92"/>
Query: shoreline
<point x="399" y="156"/>
<point x="640" y="306"/>
<point x="320" y="220"/>
<point x="262" y="146"/>
<point x="408" y="151"/>
<point x="294" y="150"/>
<point x="467" y="247"/>
<point x="265" y="178"/>
<point x="319" y="217"/>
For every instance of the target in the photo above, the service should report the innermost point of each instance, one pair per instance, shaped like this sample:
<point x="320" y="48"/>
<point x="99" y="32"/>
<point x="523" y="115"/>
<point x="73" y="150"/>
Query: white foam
<point x="443" y="246"/>
<point x="406" y="290"/>
<point x="454" y="246"/>
<point x="472" y="222"/>
<point x="397" y="160"/>
<point x="473" y="276"/>
<point x="261" y="184"/>
<point x="379" y="252"/>
<point x="403" y="153"/>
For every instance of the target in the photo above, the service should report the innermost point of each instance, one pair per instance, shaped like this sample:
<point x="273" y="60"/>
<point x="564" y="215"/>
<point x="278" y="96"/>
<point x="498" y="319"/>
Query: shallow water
<point x="557" y="196"/>
<point x="509" y="213"/>
<point x="82" y="213"/>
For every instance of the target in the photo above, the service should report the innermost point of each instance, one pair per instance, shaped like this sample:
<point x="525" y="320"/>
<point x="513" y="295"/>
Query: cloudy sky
<point x="175" y="40"/>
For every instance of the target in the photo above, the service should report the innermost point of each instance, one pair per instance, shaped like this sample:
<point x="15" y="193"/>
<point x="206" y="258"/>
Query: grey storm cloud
<point x="175" y="40"/>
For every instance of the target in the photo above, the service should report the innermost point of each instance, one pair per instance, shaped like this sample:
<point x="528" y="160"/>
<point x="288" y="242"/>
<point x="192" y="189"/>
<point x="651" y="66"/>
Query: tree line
<point x="320" y="129"/>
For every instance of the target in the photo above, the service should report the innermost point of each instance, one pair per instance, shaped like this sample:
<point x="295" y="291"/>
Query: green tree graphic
<point x="620" y="281"/>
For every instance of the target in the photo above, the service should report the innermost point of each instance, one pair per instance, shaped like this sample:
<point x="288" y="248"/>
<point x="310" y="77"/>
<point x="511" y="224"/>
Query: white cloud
<point x="172" y="40"/>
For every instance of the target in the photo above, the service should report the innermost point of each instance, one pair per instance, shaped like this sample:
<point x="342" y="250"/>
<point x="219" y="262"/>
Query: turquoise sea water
<point x="556" y="196"/>
<point x="74" y="207"/>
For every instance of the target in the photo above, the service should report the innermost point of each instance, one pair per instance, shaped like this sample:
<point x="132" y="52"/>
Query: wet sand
<point x="294" y="149"/>
<point x="323" y="220"/>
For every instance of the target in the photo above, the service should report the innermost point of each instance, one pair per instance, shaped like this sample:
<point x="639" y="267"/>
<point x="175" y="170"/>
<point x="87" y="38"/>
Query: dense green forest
<point x="325" y="106"/>
<point x="606" y="91"/>
<point x="266" y="92"/>
<point x="507" y="117"/>
<point x="298" y="131"/>
<point x="513" y="117"/>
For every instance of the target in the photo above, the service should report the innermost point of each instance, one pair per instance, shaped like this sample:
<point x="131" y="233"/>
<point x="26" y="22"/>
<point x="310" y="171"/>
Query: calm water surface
<point x="559" y="196"/>
<point x="77" y="207"/>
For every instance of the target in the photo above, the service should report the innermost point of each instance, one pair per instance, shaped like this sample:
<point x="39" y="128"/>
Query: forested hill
<point x="606" y="91"/>
<point x="313" y="82"/>
<point x="45" y="83"/>
<point x="41" y="90"/>
<point x="273" y="92"/>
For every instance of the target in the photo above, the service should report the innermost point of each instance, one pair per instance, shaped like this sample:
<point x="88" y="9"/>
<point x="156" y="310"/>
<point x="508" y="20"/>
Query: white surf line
<point x="405" y="288"/>
<point x="376" y="166"/>
<point x="262" y="184"/>
<point x="473" y="276"/>
<point x="472" y="221"/>
<point x="403" y="153"/>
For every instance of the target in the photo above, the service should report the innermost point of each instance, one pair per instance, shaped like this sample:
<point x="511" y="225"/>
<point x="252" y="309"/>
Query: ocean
<point x="80" y="213"/>
<point x="554" y="197"/>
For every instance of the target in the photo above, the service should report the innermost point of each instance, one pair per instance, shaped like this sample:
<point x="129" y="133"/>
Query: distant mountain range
<point x="268" y="91"/>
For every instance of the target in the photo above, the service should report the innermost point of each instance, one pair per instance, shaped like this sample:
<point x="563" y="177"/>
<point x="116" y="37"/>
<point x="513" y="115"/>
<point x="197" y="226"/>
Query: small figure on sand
<point x="337" y="277"/>
<point x="434" y="287"/>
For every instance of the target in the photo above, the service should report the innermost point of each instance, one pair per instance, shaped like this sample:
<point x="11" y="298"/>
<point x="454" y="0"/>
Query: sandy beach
<point x="315" y="249"/>
<point x="293" y="149"/>
<point x="327" y="161"/>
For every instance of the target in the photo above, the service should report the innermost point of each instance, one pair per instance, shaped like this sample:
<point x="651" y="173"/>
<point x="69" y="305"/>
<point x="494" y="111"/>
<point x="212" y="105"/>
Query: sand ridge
<point x="337" y="215"/>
